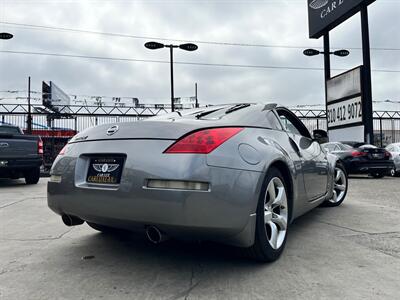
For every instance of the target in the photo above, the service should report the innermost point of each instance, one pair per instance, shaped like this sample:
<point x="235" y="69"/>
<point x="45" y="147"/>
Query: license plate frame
<point x="105" y="170"/>
<point x="378" y="156"/>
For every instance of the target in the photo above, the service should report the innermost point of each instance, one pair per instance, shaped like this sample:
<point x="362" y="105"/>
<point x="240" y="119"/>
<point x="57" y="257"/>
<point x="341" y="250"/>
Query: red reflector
<point x="203" y="141"/>
<point x="40" y="146"/>
<point x="62" y="152"/>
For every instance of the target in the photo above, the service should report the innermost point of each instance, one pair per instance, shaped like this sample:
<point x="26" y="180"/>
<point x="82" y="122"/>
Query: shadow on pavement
<point x="129" y="249"/>
<point x="4" y="182"/>
<point x="368" y="177"/>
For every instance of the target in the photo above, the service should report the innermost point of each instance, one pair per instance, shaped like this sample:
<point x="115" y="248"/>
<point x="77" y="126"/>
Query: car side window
<point x="288" y="126"/>
<point x="273" y="120"/>
<point x="291" y="123"/>
<point x="337" y="148"/>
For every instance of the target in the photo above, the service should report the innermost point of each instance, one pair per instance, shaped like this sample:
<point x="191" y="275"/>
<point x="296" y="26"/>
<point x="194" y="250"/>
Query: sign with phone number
<point x="344" y="113"/>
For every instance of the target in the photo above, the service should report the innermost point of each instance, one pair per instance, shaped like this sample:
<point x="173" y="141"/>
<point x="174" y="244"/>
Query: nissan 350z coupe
<point x="237" y="174"/>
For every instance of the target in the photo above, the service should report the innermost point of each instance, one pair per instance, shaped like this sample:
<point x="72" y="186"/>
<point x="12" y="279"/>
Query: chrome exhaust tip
<point x="155" y="235"/>
<point x="71" y="220"/>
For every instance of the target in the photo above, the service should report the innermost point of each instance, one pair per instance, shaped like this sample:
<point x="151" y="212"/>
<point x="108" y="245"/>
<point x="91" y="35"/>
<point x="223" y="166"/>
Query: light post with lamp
<point x="187" y="47"/>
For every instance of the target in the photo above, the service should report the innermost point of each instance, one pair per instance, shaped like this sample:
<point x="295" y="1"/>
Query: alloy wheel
<point x="340" y="186"/>
<point x="275" y="212"/>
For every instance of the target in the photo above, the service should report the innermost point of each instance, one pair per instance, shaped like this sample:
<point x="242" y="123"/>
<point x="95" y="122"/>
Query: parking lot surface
<point x="348" y="252"/>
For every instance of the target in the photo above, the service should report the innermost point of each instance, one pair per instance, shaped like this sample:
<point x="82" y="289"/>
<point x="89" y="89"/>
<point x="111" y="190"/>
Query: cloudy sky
<point x="268" y="23"/>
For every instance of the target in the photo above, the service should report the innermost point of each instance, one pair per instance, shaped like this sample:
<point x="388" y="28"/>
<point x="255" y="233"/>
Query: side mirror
<point x="320" y="136"/>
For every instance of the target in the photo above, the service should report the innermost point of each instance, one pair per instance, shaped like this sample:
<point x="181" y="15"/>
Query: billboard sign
<point x="55" y="98"/>
<point x="345" y="106"/>
<point x="324" y="15"/>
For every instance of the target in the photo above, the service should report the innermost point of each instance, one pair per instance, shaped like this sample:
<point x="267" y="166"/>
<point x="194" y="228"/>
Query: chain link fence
<point x="56" y="130"/>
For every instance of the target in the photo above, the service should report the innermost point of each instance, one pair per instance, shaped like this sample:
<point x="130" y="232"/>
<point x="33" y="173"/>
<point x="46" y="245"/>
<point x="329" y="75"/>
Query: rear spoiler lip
<point x="122" y="139"/>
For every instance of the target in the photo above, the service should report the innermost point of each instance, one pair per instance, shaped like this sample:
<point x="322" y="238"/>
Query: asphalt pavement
<point x="348" y="252"/>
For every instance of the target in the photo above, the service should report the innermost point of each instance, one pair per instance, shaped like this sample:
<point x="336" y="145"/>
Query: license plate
<point x="378" y="155"/>
<point x="105" y="170"/>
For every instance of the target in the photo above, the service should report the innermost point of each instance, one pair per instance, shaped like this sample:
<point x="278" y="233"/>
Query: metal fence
<point x="386" y="123"/>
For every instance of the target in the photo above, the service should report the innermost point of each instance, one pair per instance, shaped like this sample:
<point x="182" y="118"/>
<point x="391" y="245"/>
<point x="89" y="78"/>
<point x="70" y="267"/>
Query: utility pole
<point x="29" y="120"/>
<point x="367" y="113"/>
<point x="195" y="94"/>
<point x="327" y="64"/>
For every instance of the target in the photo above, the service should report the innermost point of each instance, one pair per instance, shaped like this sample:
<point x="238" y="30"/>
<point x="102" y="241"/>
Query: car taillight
<point x="388" y="154"/>
<point x="203" y="141"/>
<point x="358" y="153"/>
<point x="40" y="146"/>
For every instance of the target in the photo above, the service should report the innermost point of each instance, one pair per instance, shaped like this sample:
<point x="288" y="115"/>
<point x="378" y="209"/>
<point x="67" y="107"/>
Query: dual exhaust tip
<point x="71" y="220"/>
<point x="153" y="234"/>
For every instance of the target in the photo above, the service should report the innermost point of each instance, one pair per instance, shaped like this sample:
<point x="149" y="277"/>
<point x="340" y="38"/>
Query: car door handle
<point x="295" y="147"/>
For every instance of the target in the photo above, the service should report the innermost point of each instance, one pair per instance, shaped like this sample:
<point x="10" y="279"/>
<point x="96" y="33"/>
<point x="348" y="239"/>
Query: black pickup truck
<point x="20" y="155"/>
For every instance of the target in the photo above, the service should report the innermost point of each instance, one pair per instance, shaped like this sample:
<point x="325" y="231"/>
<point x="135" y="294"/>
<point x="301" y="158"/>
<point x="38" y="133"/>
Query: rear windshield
<point x="366" y="146"/>
<point x="9" y="130"/>
<point x="346" y="147"/>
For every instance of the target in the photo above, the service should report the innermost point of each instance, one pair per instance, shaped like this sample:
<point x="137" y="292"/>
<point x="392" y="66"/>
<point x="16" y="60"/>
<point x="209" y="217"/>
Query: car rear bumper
<point x="225" y="212"/>
<point x="368" y="167"/>
<point x="16" y="166"/>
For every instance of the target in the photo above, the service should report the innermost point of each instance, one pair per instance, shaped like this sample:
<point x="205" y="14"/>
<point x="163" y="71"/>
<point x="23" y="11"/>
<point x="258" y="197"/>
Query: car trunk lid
<point x="166" y="129"/>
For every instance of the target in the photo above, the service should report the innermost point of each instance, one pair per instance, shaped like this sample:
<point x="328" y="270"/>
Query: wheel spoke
<point x="340" y="187"/>
<point x="280" y="221"/>
<point x="271" y="192"/>
<point x="267" y="216"/>
<point x="338" y="175"/>
<point x="273" y="240"/>
<point x="280" y="198"/>
<point x="334" y="199"/>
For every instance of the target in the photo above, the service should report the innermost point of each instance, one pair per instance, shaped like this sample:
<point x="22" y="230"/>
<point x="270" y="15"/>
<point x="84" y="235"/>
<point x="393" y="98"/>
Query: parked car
<point x="20" y="155"/>
<point x="360" y="158"/>
<point x="394" y="150"/>
<point x="237" y="174"/>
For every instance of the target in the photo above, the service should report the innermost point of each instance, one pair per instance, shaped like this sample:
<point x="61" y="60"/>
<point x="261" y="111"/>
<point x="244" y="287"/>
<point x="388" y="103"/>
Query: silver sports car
<point x="237" y="174"/>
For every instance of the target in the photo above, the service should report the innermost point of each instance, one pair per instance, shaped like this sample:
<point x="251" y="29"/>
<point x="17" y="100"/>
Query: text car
<point x="237" y="174"/>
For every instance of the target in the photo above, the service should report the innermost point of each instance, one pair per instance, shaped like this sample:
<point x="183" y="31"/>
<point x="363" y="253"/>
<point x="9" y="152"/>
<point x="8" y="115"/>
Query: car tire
<point x="102" y="228"/>
<point x="340" y="186"/>
<point x="272" y="220"/>
<point x="32" y="176"/>
<point x="378" y="175"/>
<point x="394" y="173"/>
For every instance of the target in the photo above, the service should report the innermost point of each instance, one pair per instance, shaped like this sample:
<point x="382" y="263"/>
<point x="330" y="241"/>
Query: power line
<point x="180" y="62"/>
<point x="52" y="28"/>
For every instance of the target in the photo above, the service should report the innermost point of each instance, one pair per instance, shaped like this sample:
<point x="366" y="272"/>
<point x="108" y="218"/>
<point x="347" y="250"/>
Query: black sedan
<point x="360" y="158"/>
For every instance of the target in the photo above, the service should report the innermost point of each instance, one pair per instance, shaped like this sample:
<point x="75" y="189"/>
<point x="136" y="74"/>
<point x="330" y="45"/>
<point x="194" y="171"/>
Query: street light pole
<point x="327" y="65"/>
<point x="29" y="119"/>
<point x="171" y="60"/>
<point x="187" y="47"/>
<point x="195" y="93"/>
<point x="368" y="109"/>
<point x="327" y="59"/>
